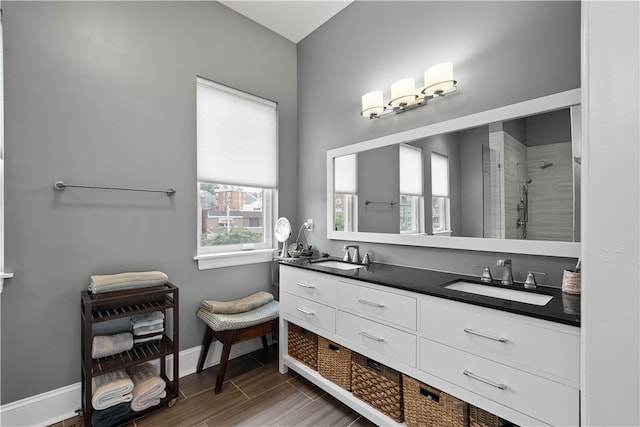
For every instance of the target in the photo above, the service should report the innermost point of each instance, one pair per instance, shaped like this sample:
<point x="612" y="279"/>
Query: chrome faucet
<point x="352" y="258"/>
<point x="507" y="275"/>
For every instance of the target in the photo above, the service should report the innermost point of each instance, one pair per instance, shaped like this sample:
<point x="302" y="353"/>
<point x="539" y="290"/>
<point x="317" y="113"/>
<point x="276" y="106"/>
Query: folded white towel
<point x="146" y="330"/>
<point x="144" y="323"/>
<point x="153" y="315"/>
<point x="108" y="345"/>
<point x="122" y="281"/>
<point x="110" y="389"/>
<point x="142" y="340"/>
<point x="148" y="388"/>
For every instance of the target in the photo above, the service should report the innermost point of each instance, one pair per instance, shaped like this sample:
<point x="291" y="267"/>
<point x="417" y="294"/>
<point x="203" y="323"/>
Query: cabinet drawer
<point x="393" y="308"/>
<point x="539" y="346"/>
<point x="537" y="397"/>
<point x="309" y="311"/>
<point x="308" y="284"/>
<point x="379" y="338"/>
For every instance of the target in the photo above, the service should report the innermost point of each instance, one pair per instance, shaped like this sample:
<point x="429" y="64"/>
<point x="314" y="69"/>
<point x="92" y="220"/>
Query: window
<point x="345" y="187"/>
<point x="411" y="178"/>
<point x="236" y="172"/>
<point x="440" y="204"/>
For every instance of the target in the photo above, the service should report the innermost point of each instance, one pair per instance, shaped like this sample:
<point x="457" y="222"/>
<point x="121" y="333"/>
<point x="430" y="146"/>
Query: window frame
<point x="209" y="257"/>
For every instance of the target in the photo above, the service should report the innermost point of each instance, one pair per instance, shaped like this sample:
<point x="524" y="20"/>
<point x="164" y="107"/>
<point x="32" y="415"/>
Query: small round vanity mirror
<point x="282" y="231"/>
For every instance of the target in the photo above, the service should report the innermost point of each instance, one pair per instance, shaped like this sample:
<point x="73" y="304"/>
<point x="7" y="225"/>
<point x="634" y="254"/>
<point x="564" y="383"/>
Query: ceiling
<point x="293" y="20"/>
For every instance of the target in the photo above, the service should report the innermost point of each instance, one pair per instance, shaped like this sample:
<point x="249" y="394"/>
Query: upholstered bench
<point x="234" y="328"/>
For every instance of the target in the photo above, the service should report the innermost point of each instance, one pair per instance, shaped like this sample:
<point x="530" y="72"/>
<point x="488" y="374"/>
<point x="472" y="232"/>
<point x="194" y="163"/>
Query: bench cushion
<point x="224" y="322"/>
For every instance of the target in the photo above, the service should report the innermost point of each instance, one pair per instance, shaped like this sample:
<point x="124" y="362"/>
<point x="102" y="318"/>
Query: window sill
<point x="230" y="259"/>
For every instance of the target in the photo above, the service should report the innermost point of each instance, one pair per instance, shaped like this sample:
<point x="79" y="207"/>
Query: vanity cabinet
<point x="520" y="368"/>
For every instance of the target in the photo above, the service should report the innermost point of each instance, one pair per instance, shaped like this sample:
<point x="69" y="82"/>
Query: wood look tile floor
<point x="254" y="394"/>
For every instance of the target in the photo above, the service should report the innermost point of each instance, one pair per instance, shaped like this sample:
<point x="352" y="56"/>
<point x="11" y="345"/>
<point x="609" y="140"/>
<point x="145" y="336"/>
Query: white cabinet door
<point x="308" y="284"/>
<point x="400" y="310"/>
<point x="309" y="312"/>
<point x="378" y="338"/>
<point x="548" y="401"/>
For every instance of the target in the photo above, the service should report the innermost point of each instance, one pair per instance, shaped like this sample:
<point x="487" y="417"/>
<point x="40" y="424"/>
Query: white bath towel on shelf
<point x="146" y="339"/>
<point x="110" y="389"/>
<point x="147" y="323"/>
<point x="149" y="387"/>
<point x="108" y="345"/>
<point x="153" y="315"/>
<point x="123" y="281"/>
<point x="147" y="330"/>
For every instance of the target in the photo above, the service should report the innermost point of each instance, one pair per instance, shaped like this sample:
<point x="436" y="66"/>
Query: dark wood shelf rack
<point x="116" y="305"/>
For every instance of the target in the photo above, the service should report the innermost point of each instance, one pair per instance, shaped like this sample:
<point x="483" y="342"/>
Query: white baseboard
<point x="60" y="404"/>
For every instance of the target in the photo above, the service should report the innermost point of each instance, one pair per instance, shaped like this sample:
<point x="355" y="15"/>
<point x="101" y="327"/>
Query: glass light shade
<point x="372" y="103"/>
<point x="403" y="92"/>
<point x="438" y="78"/>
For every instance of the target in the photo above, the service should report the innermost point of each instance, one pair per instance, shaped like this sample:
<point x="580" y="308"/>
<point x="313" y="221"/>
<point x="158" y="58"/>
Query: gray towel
<point x="145" y="317"/>
<point x="238" y="306"/>
<point x="110" y="389"/>
<point x="123" y="281"/>
<point x="108" y="345"/>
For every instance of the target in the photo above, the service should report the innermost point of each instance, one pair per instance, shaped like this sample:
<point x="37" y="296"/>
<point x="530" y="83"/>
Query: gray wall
<point x="493" y="46"/>
<point x="104" y="93"/>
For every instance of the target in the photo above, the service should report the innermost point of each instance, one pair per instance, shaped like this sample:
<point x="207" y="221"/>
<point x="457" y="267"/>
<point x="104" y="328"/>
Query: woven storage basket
<point x="425" y="406"/>
<point x="303" y="346"/>
<point x="378" y="385"/>
<point x="334" y="362"/>
<point x="481" y="418"/>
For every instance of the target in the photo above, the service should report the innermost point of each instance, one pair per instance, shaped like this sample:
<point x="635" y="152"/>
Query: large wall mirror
<point x="504" y="180"/>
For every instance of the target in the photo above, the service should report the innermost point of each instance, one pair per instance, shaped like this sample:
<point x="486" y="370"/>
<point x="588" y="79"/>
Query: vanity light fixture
<point x="438" y="82"/>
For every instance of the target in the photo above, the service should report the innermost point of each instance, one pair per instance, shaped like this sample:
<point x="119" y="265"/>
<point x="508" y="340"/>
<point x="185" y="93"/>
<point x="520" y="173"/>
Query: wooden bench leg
<point x="206" y="343"/>
<point x="227" y="342"/>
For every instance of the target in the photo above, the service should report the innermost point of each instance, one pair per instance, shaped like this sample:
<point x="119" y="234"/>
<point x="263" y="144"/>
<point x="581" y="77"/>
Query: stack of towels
<point x="111" y="393"/>
<point x="241" y="305"/>
<point x="148" y="327"/>
<point x="124" y="281"/>
<point x="148" y="386"/>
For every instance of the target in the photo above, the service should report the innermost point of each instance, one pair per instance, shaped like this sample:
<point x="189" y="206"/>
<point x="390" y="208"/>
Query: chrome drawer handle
<point x="306" y="286"/>
<point x="484" y="380"/>
<point x="302" y="310"/>
<point x="373" y="304"/>
<point x="371" y="337"/>
<point x="480" y="334"/>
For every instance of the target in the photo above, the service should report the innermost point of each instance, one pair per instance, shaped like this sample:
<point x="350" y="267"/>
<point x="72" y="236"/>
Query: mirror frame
<point x="544" y="104"/>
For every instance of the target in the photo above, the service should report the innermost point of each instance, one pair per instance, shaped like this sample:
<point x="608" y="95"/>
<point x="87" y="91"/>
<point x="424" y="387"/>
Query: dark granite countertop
<point x="563" y="308"/>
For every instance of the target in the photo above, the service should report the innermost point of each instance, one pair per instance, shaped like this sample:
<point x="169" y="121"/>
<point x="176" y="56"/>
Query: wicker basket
<point x="481" y="418"/>
<point x="378" y="385"/>
<point x="303" y="346"/>
<point x="334" y="362"/>
<point x="427" y="406"/>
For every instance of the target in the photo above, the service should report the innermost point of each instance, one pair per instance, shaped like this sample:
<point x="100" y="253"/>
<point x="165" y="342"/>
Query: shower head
<point x="546" y="165"/>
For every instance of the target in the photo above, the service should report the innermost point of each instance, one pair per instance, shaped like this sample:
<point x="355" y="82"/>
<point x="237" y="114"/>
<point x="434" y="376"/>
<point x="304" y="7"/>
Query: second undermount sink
<point x="340" y="265"/>
<point x="503" y="293"/>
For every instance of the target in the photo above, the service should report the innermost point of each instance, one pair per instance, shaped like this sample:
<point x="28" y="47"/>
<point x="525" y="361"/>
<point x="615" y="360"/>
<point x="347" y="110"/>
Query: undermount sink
<point x="339" y="265"/>
<point x="504" y="293"/>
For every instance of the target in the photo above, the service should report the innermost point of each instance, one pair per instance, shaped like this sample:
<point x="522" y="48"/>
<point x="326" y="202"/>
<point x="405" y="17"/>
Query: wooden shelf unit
<point x="116" y="305"/>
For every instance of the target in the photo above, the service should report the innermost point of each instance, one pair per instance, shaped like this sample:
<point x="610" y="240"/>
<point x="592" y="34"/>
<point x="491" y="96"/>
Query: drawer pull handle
<point x="373" y="304"/>
<point x="480" y="334"/>
<point x="371" y="337"/>
<point x="302" y="310"/>
<point x="306" y="286"/>
<point x="484" y="380"/>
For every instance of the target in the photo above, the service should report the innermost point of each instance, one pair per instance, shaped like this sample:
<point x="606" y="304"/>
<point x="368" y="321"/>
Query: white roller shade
<point x="237" y="137"/>
<point x="345" y="174"/>
<point x="439" y="175"/>
<point x="410" y="170"/>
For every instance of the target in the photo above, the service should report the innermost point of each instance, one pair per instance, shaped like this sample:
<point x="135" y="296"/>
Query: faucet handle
<point x="486" y="273"/>
<point x="366" y="259"/>
<point x="530" y="282"/>
<point x="347" y="257"/>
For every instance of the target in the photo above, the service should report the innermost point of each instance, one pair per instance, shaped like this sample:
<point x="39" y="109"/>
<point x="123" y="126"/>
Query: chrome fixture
<point x="545" y="164"/>
<point x="486" y="273"/>
<point x="531" y="283"/>
<point x="507" y="275"/>
<point x="438" y="82"/>
<point x="351" y="258"/>
<point x="366" y="259"/>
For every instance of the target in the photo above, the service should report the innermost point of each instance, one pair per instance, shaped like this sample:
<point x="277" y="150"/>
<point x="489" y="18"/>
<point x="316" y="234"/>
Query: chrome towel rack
<point x="60" y="186"/>
<point x="373" y="202"/>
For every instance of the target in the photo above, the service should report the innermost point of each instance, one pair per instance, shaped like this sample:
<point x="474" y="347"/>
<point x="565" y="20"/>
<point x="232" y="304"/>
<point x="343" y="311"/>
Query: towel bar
<point x="60" y="185"/>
